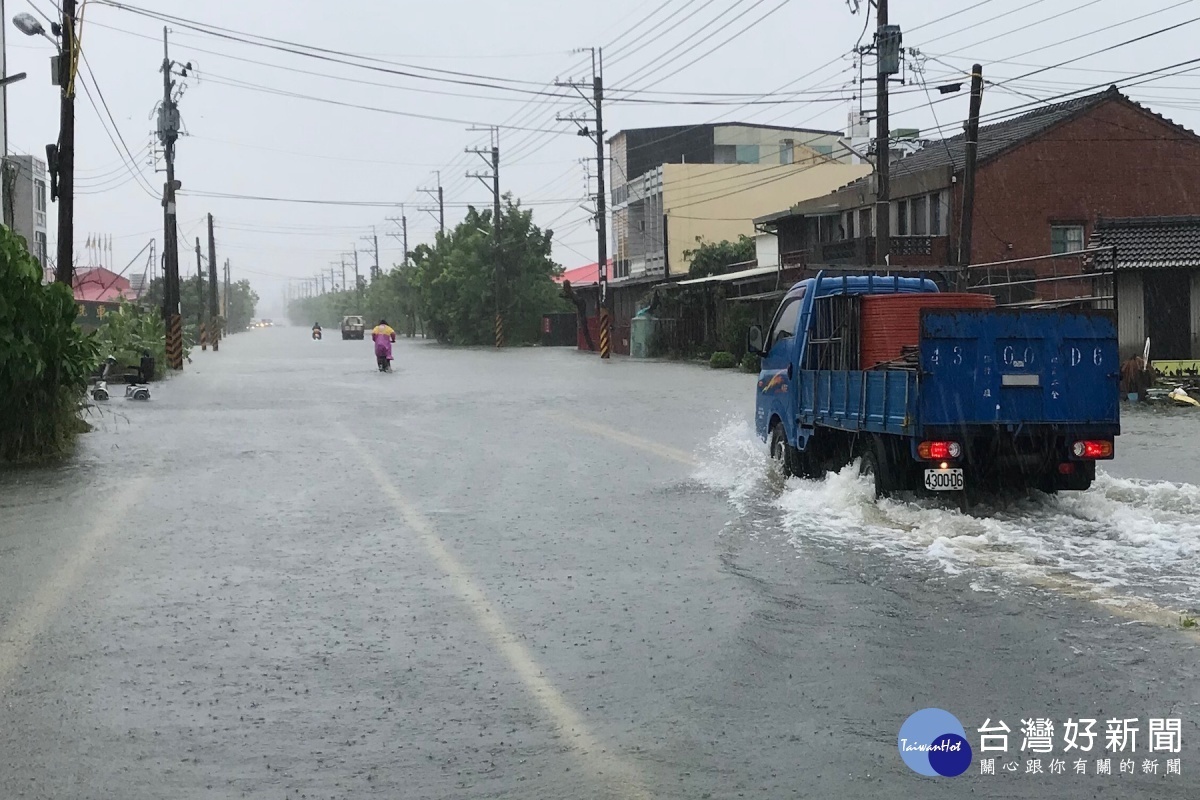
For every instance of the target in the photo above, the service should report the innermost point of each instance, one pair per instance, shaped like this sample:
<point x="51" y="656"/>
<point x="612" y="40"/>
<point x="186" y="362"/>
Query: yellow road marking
<point x="18" y="637"/>
<point x="491" y="621"/>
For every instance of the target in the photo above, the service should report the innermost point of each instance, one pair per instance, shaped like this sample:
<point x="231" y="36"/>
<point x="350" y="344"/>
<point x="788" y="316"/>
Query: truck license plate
<point x="944" y="480"/>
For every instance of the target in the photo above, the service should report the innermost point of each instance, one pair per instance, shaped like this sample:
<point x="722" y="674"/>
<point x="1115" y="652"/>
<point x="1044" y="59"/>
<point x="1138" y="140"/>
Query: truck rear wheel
<point x="875" y="463"/>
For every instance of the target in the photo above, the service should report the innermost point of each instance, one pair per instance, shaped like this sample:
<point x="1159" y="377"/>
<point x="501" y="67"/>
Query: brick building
<point x="1044" y="179"/>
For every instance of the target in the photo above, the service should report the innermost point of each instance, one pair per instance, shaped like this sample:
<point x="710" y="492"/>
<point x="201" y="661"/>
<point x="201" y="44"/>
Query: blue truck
<point x="987" y="399"/>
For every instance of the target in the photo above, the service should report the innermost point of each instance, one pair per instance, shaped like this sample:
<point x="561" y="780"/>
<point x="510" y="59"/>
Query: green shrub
<point x="722" y="360"/>
<point x="130" y="330"/>
<point x="45" y="359"/>
<point x="751" y="363"/>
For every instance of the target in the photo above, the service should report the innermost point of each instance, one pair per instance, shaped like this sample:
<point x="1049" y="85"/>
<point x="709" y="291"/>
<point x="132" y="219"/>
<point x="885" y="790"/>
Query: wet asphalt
<point x="494" y="574"/>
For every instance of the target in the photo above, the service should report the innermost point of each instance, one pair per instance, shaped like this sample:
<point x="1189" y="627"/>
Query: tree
<point x="45" y="359"/>
<point x="715" y="258"/>
<point x="451" y="288"/>
<point x="243" y="301"/>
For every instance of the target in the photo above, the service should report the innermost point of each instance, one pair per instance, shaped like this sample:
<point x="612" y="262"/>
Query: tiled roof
<point x="995" y="138"/>
<point x="1149" y="242"/>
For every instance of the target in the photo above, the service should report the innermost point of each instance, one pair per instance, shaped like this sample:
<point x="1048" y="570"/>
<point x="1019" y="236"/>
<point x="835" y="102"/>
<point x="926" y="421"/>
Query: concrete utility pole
<point x="403" y="237"/>
<point x="65" y="154"/>
<point x="213" y="309"/>
<point x="441" y="201"/>
<point x="497" y="245"/>
<point x="972" y="150"/>
<point x="200" y="298"/>
<point x="358" y="283"/>
<point x="343" y="273"/>
<point x="596" y="132"/>
<point x="168" y="133"/>
<point x="882" y="145"/>
<point x="225" y="313"/>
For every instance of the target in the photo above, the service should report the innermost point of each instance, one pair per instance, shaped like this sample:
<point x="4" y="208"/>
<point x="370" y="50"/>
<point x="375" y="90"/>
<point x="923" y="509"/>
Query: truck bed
<point x="991" y="367"/>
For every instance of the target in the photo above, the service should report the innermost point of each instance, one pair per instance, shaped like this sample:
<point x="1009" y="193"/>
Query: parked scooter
<point x="135" y="385"/>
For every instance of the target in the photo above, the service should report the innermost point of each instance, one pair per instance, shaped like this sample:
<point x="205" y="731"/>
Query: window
<point x="39" y="247"/>
<point x="39" y="195"/>
<point x="920" y="218"/>
<point x="785" y="323"/>
<point x="935" y="214"/>
<point x="747" y="153"/>
<point x="725" y="154"/>
<point x="787" y="151"/>
<point x="902" y="218"/>
<point x="864" y="222"/>
<point x="823" y="149"/>
<point x="1066" y="238"/>
<point x="849" y="224"/>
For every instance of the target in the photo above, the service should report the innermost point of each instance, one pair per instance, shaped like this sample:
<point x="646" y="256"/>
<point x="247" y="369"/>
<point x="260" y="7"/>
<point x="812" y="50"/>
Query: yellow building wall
<point x="720" y="201"/>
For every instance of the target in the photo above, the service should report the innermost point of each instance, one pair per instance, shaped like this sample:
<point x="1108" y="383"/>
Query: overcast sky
<point x="246" y="141"/>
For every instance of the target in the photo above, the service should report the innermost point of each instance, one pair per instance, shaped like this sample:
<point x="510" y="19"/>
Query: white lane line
<point x="621" y="774"/>
<point x="616" y="435"/>
<point x="31" y="619"/>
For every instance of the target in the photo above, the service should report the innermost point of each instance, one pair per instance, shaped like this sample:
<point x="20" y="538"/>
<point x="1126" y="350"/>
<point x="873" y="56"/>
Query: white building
<point x="28" y="203"/>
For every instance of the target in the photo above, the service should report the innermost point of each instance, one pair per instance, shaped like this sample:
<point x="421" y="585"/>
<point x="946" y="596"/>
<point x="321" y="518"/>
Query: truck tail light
<point x="939" y="451"/>
<point x="1089" y="449"/>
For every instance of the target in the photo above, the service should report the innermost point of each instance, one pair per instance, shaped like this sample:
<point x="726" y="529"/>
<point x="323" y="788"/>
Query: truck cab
<point x="353" y="327"/>
<point x="935" y="391"/>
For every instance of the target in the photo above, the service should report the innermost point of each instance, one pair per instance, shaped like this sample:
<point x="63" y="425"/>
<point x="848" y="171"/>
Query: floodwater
<point x="530" y="574"/>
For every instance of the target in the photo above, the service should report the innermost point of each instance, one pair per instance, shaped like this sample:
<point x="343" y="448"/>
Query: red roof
<point x="585" y="274"/>
<point x="98" y="283"/>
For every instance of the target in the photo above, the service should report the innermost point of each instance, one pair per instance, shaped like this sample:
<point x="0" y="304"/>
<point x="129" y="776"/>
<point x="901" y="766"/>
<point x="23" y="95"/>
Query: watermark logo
<point x="933" y="742"/>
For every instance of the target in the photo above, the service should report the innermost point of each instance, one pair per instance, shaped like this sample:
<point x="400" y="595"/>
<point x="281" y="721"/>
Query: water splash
<point x="1137" y="537"/>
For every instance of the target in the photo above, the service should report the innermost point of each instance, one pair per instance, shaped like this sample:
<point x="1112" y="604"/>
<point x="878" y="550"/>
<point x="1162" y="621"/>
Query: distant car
<point x="353" y="327"/>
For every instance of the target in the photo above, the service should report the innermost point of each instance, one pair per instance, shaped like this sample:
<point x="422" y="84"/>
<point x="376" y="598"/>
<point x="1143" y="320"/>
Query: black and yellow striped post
<point x="175" y="341"/>
<point x="499" y="330"/>
<point x="203" y="336"/>
<point x="605" y="348"/>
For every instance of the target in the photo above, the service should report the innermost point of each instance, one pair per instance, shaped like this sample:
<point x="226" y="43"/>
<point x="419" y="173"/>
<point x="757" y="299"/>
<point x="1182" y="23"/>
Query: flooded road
<point x="529" y="574"/>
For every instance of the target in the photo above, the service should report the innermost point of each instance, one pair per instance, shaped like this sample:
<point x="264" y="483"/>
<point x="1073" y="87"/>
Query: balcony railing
<point x="905" y="251"/>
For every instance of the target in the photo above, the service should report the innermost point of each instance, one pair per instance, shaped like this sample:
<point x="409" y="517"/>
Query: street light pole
<point x="61" y="156"/>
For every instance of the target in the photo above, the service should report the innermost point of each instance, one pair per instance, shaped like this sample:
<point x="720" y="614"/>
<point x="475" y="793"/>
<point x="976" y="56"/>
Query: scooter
<point x="135" y="388"/>
<point x="384" y="364"/>
<point x="317" y="334"/>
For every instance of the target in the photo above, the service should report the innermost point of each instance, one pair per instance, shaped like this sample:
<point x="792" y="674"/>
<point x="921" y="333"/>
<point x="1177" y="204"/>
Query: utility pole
<point x="200" y="299"/>
<point x="358" y="281"/>
<point x="403" y="223"/>
<point x="63" y="158"/>
<point x="168" y="133"/>
<point x="441" y="201"/>
<point x="887" y="51"/>
<point x="225" y="313"/>
<point x="972" y="150"/>
<point x="213" y="309"/>
<point x="343" y="273"/>
<point x="597" y="135"/>
<point x="498" y="248"/>
<point x="332" y="279"/>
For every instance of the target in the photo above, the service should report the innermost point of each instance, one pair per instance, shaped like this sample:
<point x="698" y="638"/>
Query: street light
<point x="29" y="25"/>
<point x="60" y="157"/>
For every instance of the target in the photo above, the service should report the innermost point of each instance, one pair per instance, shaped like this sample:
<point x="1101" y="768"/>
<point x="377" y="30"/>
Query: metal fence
<point x="1083" y="279"/>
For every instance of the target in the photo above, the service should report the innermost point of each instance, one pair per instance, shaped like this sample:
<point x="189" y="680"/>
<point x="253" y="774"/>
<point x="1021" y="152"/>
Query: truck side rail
<point x="876" y="401"/>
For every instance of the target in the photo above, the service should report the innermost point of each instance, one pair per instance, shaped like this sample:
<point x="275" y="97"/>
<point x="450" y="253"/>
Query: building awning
<point x="745" y="274"/>
<point x="751" y="298"/>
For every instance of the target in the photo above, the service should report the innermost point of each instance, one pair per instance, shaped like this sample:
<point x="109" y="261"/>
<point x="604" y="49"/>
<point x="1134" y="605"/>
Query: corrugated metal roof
<point x="1149" y="242"/>
<point x="731" y="276"/>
